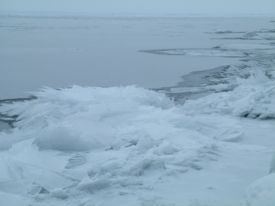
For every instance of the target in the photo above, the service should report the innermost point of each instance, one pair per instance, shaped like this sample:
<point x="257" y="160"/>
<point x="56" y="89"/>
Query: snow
<point x="262" y="191"/>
